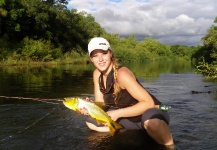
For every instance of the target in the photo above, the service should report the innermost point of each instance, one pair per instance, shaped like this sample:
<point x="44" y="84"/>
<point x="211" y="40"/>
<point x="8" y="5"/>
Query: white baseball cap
<point x="98" y="43"/>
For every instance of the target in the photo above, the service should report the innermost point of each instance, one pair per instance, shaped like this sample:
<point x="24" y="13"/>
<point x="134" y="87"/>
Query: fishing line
<point x="46" y="100"/>
<point x="29" y="125"/>
<point x="30" y="98"/>
<point x="35" y="99"/>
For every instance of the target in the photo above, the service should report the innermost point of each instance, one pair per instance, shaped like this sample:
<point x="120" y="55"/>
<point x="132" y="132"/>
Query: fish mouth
<point x="64" y="101"/>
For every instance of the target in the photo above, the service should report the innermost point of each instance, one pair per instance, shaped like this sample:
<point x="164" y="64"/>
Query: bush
<point x="208" y="70"/>
<point x="39" y="50"/>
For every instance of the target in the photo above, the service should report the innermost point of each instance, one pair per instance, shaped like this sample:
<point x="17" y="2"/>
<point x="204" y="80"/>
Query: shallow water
<point x="44" y="125"/>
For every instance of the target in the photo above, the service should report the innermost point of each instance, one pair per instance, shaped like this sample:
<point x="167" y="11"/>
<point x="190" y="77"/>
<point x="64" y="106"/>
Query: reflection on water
<point x="45" y="125"/>
<point x="154" y="68"/>
<point x="133" y="139"/>
<point x="48" y="81"/>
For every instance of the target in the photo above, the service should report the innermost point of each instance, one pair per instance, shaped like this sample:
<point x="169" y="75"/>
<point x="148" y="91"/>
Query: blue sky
<point x="169" y="21"/>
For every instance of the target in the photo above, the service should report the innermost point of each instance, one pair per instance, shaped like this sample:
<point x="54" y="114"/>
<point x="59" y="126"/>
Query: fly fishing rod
<point x="47" y="100"/>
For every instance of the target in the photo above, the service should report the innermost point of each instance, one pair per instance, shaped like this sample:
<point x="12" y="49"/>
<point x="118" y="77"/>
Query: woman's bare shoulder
<point x="124" y="77"/>
<point x="96" y="72"/>
<point x="124" y="71"/>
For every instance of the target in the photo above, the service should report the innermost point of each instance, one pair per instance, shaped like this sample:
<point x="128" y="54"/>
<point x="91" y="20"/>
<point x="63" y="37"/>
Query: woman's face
<point x="101" y="59"/>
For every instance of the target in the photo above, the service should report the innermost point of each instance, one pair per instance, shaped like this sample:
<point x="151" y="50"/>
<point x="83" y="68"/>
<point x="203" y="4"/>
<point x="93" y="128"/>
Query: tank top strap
<point x="109" y="83"/>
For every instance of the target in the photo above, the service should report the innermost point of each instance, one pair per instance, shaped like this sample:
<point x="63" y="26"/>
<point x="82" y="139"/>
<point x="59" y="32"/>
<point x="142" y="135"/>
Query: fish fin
<point x="77" y="111"/>
<point x="113" y="126"/>
<point x="117" y="125"/>
<point x="100" y="122"/>
<point x="112" y="130"/>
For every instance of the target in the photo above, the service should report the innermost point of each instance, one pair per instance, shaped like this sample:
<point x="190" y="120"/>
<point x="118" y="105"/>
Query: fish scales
<point x="94" y="111"/>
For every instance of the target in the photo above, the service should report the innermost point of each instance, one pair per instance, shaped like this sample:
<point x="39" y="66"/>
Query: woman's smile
<point x="101" y="59"/>
<point x="102" y="64"/>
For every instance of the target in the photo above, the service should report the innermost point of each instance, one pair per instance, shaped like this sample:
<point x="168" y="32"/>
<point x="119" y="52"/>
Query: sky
<point x="169" y="21"/>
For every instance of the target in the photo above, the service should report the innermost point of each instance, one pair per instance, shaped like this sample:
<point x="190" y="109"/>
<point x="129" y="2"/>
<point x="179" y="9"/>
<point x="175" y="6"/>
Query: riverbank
<point x="11" y="62"/>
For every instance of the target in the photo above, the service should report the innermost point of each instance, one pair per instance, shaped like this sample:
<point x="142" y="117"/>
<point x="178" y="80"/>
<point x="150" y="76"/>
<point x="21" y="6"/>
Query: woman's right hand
<point x="83" y="110"/>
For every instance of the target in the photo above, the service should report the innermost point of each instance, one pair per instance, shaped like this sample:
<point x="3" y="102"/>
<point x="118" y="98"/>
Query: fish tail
<point x="113" y="127"/>
<point x="112" y="130"/>
<point x="117" y="125"/>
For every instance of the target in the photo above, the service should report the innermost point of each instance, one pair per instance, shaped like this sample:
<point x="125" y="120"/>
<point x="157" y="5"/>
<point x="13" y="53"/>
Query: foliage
<point x="209" y="70"/>
<point x="206" y="56"/>
<point x="182" y="51"/>
<point x="128" y="49"/>
<point x="36" y="30"/>
<point x="49" y="21"/>
<point x="39" y="50"/>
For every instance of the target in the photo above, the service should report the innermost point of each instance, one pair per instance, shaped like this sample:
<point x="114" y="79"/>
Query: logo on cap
<point x="102" y="43"/>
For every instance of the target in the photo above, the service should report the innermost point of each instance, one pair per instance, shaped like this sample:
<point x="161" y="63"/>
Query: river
<point x="33" y="118"/>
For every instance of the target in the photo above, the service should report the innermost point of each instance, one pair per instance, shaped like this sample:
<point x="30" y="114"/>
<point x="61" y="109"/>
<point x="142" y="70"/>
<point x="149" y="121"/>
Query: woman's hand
<point x="99" y="129"/>
<point x="114" y="114"/>
<point x="87" y="99"/>
<point x="83" y="110"/>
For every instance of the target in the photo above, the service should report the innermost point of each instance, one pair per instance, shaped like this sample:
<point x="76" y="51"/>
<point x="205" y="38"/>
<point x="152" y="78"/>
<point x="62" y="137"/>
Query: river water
<point x="33" y="118"/>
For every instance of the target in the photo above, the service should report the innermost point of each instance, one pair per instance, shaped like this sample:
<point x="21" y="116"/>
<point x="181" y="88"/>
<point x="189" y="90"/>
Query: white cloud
<point x="171" y="21"/>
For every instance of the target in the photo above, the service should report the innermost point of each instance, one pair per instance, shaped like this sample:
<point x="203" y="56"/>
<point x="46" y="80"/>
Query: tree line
<point x="43" y="30"/>
<point x="46" y="31"/>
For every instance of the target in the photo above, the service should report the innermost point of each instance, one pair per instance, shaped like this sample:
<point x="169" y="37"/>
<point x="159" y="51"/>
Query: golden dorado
<point x="94" y="111"/>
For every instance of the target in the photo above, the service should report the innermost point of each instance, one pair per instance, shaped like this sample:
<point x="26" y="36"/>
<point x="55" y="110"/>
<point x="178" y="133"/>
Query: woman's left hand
<point x="114" y="114"/>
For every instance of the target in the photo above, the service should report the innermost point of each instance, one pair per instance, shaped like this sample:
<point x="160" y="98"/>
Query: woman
<point x="128" y="103"/>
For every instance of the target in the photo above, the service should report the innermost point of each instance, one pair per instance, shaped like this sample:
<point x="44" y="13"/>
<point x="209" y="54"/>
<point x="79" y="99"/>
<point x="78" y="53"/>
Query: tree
<point x="207" y="55"/>
<point x="210" y="42"/>
<point x="52" y="2"/>
<point x="46" y="20"/>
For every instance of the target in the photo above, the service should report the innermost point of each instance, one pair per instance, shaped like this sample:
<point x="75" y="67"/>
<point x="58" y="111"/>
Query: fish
<point x="75" y="103"/>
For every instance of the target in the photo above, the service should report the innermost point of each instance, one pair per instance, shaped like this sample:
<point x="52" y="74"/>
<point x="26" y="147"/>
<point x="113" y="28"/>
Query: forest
<point x="46" y="31"/>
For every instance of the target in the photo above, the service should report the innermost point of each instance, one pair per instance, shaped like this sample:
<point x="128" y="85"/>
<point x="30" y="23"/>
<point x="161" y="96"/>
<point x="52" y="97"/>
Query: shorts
<point x="129" y="124"/>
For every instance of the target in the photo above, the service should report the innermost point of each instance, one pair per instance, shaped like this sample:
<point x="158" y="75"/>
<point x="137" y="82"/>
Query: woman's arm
<point x="127" y="81"/>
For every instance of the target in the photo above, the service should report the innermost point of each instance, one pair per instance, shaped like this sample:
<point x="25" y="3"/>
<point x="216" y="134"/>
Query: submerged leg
<point x="159" y="131"/>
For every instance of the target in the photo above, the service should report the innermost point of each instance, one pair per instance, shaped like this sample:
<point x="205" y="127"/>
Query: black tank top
<point x="124" y="98"/>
